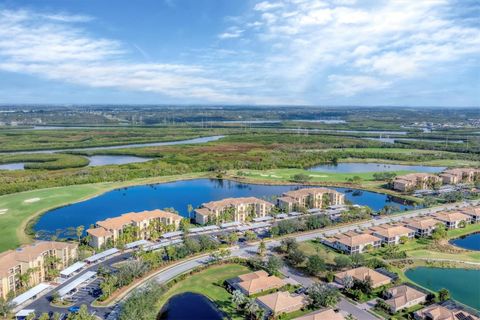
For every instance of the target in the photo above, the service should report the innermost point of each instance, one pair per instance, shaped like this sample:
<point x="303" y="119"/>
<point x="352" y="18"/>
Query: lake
<point x="352" y="167"/>
<point x="12" y="166"/>
<point x="469" y="241"/>
<point x="463" y="284"/>
<point x="179" y="194"/>
<point x="187" y="306"/>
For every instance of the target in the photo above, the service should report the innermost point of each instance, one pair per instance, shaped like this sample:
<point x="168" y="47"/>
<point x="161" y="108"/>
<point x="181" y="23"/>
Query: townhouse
<point x="232" y="209"/>
<point x="362" y="274"/>
<point x="452" y="219"/>
<point x="403" y="296"/>
<point x="309" y="198"/>
<point x="30" y="264"/>
<point x="353" y="242"/>
<point x="415" y="181"/>
<point x="111" y="230"/>
<point x="392" y="234"/>
<point x="473" y="212"/>
<point x="423" y="226"/>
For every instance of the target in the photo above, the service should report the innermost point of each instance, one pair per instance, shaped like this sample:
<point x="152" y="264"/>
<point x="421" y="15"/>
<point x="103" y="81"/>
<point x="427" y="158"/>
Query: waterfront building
<point x="309" y="198"/>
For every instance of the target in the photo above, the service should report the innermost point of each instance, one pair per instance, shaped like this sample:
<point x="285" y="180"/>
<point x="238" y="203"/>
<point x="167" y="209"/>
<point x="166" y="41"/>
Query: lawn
<point x="315" y="248"/>
<point x="209" y="283"/>
<point x="17" y="209"/>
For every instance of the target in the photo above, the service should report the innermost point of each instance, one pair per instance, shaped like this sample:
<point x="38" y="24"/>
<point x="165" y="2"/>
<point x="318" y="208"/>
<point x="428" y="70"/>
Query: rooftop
<point x="422" y="222"/>
<point x="308" y="191"/>
<point x="450" y="216"/>
<point x="328" y="314"/>
<point x="403" y="294"/>
<point x="389" y="231"/>
<point x="212" y="205"/>
<point x="127" y="218"/>
<point x="282" y="300"/>
<point x="353" y="238"/>
<point x="362" y="273"/>
<point x="438" y="312"/>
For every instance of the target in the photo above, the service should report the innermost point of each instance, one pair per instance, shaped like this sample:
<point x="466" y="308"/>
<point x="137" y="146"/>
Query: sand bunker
<point x="3" y="211"/>
<point x="32" y="200"/>
<point x="317" y="176"/>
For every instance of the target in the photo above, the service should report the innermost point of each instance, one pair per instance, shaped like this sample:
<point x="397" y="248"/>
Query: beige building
<point x="460" y="175"/>
<point x="363" y="273"/>
<point x="258" y="281"/>
<point x="416" y="181"/>
<point x="353" y="242"/>
<point x="327" y="314"/>
<point x="473" y="212"/>
<point x="423" y="226"/>
<point x="281" y="302"/>
<point x="32" y="260"/>
<point x="232" y="209"/>
<point x="310" y="198"/>
<point x="112" y="228"/>
<point x="403" y="296"/>
<point x="438" y="312"/>
<point x="452" y="219"/>
<point x="391" y="234"/>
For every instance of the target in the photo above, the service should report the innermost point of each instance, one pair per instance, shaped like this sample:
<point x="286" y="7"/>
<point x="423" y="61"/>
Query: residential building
<point x="281" y="302"/>
<point x="452" y="219"/>
<point x="256" y="282"/>
<point x="362" y="274"/>
<point x="438" y="312"/>
<point x="31" y="262"/>
<point x="353" y="242"/>
<point x="459" y="175"/>
<point x="142" y="224"/>
<point x="423" y="226"/>
<point x="473" y="212"/>
<point x="326" y="314"/>
<point x="232" y="209"/>
<point x="310" y="198"/>
<point x="392" y="234"/>
<point x="415" y="181"/>
<point x="403" y="296"/>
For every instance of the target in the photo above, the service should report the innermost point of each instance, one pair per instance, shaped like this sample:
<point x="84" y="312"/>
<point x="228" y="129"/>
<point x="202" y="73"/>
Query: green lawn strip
<point x="313" y="247"/>
<point x="209" y="283"/>
<point x="434" y="163"/>
<point x="24" y="206"/>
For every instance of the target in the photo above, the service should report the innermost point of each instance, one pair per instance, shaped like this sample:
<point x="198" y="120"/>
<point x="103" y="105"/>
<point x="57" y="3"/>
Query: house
<point x="353" y="242"/>
<point x="232" y="209"/>
<point x="391" y="234"/>
<point x="403" y="296"/>
<point x="281" y="302"/>
<point x="33" y="260"/>
<point x="256" y="282"/>
<point x="459" y="175"/>
<point x="414" y="181"/>
<point x="423" y="226"/>
<point x="438" y="312"/>
<point x="327" y="314"/>
<point x="452" y="219"/>
<point x="361" y="274"/>
<point x="141" y="223"/>
<point x="309" y="198"/>
<point x="473" y="212"/>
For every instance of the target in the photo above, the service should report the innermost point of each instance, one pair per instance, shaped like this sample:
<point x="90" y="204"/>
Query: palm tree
<point x="189" y="209"/>
<point x="79" y="232"/>
<point x="238" y="298"/>
<point x="251" y="307"/>
<point x="5" y="307"/>
<point x="262" y="249"/>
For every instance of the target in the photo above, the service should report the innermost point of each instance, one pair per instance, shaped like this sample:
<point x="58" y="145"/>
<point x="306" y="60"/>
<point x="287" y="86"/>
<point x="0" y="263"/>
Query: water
<point x="462" y="283"/>
<point x="349" y="131"/>
<point x="105" y="160"/>
<point x="469" y="241"/>
<point x="179" y="195"/>
<point x="134" y="145"/>
<point x="393" y="140"/>
<point x="354" y="167"/>
<point x="12" y="166"/>
<point x="187" y="306"/>
<point x="326" y="121"/>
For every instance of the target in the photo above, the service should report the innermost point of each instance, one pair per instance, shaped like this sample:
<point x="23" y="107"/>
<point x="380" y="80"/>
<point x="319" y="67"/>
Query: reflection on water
<point x="354" y="167"/>
<point x="188" y="306"/>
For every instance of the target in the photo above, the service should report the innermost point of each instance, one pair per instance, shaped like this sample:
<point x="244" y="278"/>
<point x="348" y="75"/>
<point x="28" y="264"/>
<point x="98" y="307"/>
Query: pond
<point x="12" y="166"/>
<point x="188" y="306"/>
<point x="393" y="140"/>
<point x="178" y="195"/>
<point x="352" y="167"/>
<point x="462" y="283"/>
<point x="470" y="241"/>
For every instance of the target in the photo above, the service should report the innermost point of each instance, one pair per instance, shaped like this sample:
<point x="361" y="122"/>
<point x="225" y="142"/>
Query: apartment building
<point x="32" y="261"/>
<point x="416" y="181"/>
<point x="473" y="212"/>
<point x="423" y="226"/>
<point x="460" y="175"/>
<point x="452" y="219"/>
<point x="310" y="198"/>
<point x="353" y="242"/>
<point x="391" y="234"/>
<point x="232" y="209"/>
<point x="111" y="229"/>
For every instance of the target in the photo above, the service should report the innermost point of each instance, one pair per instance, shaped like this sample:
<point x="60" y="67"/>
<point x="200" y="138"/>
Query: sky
<point x="235" y="52"/>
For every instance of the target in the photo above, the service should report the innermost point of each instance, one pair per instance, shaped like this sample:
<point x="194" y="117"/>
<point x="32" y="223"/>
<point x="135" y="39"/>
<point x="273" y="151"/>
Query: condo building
<point x="460" y="175"/>
<point x="423" y="226"/>
<point x="452" y="219"/>
<point x="416" y="181"/>
<point x="309" y="198"/>
<point x="353" y="242"/>
<point x="232" y="209"/>
<point x="392" y="234"/>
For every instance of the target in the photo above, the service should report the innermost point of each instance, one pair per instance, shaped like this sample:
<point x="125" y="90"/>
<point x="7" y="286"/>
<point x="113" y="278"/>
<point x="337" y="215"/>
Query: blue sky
<point x="332" y="52"/>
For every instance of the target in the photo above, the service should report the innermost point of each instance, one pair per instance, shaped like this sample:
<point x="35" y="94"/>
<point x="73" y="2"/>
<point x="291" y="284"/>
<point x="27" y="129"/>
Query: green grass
<point x="315" y="248"/>
<point x="209" y="283"/>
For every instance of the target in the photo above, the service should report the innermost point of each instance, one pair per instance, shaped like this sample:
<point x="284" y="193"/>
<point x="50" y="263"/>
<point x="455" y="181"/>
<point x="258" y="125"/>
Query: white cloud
<point x="351" y="85"/>
<point x="267" y="6"/>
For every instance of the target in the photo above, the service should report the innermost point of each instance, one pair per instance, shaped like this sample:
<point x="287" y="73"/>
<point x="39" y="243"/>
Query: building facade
<point x="392" y="234"/>
<point x="309" y="198"/>
<point x="416" y="181"/>
<point x="353" y="242"/>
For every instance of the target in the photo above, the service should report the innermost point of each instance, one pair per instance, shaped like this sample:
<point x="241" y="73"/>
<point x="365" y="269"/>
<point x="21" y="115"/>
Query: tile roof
<point x="472" y="211"/>
<point x="352" y="238"/>
<point x="127" y="218"/>
<point x="438" y="312"/>
<point x="403" y="294"/>
<point x="450" y="216"/>
<point x="308" y="191"/>
<point x="328" y="314"/>
<point x="389" y="231"/>
<point x="256" y="285"/>
<point x="421" y="222"/>
<point x="362" y="273"/>
<point x="282" y="300"/>
<point x="212" y="205"/>
<point x="99" y="232"/>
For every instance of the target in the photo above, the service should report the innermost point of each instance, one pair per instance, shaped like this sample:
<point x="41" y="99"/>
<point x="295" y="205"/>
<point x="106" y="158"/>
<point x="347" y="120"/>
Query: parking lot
<point x="86" y="293"/>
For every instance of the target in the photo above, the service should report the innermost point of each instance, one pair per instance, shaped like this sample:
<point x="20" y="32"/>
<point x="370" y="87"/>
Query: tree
<point x="185" y="225"/>
<point x="296" y="257"/>
<point x="301" y="178"/>
<point x="79" y="232"/>
<point x="443" y="295"/>
<point x="5" y="307"/>
<point x="232" y="238"/>
<point x="273" y="265"/>
<point x="262" y="249"/>
<point x="321" y="295"/>
<point x="251" y="308"/>
<point x="44" y="316"/>
<point x="238" y="299"/>
<point x="404" y="239"/>
<point x="189" y="210"/>
<point x="250" y="235"/>
<point x="82" y="314"/>
<point x="330" y="276"/>
<point x="348" y="282"/>
<point x="357" y="259"/>
<point x="288" y="244"/>
<point x="315" y="265"/>
<point x="342" y="262"/>
<point x="440" y="232"/>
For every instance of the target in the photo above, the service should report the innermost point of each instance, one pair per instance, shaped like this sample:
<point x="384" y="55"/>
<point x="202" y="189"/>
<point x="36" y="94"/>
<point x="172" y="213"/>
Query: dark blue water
<point x="187" y="306"/>
<point x="179" y="195"/>
<point x="372" y="167"/>
<point x="470" y="241"/>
